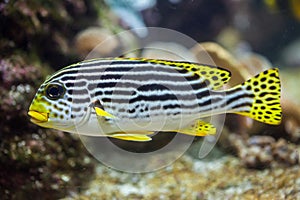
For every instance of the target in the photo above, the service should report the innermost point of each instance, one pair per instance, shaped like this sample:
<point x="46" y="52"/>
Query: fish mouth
<point x="38" y="117"/>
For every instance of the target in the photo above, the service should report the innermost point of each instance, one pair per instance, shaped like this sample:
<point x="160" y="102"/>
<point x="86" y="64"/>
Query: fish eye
<point x="54" y="91"/>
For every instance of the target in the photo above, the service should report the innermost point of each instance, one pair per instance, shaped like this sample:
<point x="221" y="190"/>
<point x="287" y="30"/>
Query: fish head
<point x="51" y="106"/>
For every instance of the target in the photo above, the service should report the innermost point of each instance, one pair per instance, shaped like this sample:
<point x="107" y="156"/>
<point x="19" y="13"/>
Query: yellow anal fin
<point x="199" y="128"/>
<point x="131" y="137"/>
<point x="265" y="88"/>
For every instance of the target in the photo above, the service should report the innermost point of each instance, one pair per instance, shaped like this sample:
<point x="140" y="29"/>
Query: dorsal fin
<point x="214" y="76"/>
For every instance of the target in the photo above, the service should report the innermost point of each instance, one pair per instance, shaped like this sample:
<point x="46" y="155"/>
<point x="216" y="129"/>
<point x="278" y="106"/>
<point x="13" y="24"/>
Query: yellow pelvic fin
<point x="131" y="137"/>
<point x="214" y="76"/>
<point x="265" y="88"/>
<point x="102" y="113"/>
<point x="199" y="128"/>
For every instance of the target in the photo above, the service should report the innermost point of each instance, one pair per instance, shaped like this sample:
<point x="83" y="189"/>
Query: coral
<point x="16" y="89"/>
<point x="42" y="24"/>
<point x="34" y="161"/>
<point x="188" y="178"/>
<point x="264" y="151"/>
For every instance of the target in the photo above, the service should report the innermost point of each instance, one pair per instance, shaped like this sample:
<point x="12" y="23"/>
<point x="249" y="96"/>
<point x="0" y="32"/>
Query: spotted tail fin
<point x="264" y="88"/>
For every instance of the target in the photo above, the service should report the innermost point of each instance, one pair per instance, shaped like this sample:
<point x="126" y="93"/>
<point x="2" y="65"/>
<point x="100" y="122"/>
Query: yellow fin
<point x="131" y="137"/>
<point x="103" y="113"/>
<point x="214" y="76"/>
<point x="199" y="128"/>
<point x="266" y="91"/>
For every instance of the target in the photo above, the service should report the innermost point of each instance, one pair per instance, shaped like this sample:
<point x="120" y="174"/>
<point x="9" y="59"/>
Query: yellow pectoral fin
<point x="131" y="137"/>
<point x="102" y="113"/>
<point x="199" y="128"/>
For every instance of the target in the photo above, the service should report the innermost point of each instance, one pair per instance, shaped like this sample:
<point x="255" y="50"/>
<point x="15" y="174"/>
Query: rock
<point x="97" y="42"/>
<point x="91" y="37"/>
<point x="290" y="55"/>
<point x="188" y="178"/>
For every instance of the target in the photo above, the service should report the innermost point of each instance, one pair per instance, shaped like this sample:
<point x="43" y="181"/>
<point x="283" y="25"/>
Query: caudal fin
<point x="265" y="90"/>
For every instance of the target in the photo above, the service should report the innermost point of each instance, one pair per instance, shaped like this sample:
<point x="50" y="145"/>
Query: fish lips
<point x="38" y="117"/>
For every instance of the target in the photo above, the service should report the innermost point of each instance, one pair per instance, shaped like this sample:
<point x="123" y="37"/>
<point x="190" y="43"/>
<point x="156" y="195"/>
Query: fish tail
<point x="264" y="91"/>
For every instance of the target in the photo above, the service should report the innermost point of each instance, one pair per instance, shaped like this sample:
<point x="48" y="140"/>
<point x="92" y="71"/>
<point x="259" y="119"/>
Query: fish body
<point x="130" y="98"/>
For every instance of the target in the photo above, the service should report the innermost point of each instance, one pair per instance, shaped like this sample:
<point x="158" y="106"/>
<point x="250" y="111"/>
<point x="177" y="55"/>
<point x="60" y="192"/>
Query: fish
<point x="134" y="98"/>
<point x="291" y="7"/>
